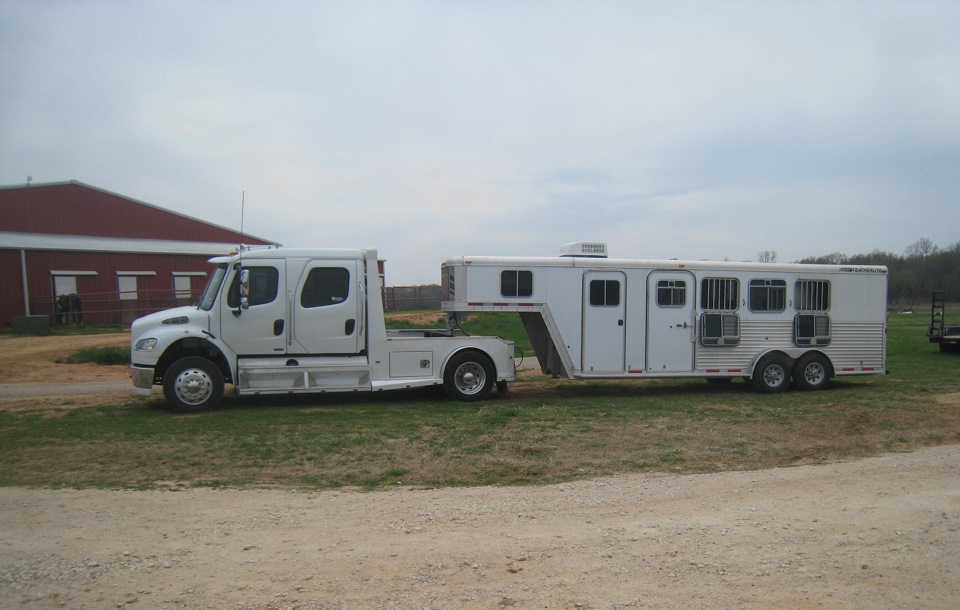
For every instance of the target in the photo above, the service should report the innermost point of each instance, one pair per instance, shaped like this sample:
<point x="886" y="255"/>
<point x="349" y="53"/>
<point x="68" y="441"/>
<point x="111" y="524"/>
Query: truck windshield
<point x="213" y="287"/>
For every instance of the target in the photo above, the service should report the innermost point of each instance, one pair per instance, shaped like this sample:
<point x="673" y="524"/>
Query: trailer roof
<point x="624" y="263"/>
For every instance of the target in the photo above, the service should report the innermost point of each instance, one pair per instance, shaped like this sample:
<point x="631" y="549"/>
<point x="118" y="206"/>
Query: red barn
<point x="122" y="258"/>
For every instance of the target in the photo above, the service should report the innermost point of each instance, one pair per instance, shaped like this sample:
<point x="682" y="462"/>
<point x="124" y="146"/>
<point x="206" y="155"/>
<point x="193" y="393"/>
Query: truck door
<point x="670" y="326"/>
<point x="604" y="330"/>
<point x="261" y="329"/>
<point x="328" y="311"/>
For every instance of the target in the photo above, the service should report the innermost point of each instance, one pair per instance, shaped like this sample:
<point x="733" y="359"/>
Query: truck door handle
<point x="278" y="327"/>
<point x="619" y="322"/>
<point x="349" y="326"/>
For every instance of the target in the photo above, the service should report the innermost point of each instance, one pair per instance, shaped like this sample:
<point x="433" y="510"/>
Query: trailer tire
<point x="469" y="376"/>
<point x="772" y="374"/>
<point x="812" y="372"/>
<point x="193" y="384"/>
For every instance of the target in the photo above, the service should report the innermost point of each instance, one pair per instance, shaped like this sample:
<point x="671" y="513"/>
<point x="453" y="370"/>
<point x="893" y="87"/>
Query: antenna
<point x="243" y="201"/>
<point x="238" y="267"/>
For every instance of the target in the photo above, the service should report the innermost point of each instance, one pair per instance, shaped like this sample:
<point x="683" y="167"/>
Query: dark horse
<point x="69" y="309"/>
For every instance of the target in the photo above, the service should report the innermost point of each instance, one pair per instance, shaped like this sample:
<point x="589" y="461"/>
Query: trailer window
<point x="719" y="294"/>
<point x="768" y="295"/>
<point x="263" y="286"/>
<point x="720" y="329"/>
<point x="812" y="295"/>
<point x="325" y="286"/>
<point x="516" y="283"/>
<point x="605" y="293"/>
<point x="811" y="329"/>
<point x="671" y="293"/>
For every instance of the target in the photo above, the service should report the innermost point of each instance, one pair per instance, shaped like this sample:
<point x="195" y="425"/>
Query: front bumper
<point x="142" y="379"/>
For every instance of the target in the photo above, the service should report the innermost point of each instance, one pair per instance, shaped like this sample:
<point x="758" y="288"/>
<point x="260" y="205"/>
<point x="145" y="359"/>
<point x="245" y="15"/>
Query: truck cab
<point x="302" y="320"/>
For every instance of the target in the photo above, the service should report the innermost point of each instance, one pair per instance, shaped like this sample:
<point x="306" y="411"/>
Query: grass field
<point x="543" y="431"/>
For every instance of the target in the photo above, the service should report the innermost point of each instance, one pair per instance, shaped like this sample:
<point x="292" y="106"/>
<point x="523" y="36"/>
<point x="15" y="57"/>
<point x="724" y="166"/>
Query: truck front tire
<point x="193" y="384"/>
<point x="469" y="376"/>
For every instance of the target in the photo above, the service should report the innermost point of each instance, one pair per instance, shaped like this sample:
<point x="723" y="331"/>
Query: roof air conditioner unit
<point x="591" y="249"/>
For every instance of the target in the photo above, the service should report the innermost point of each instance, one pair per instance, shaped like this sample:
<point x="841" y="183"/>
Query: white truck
<point x="591" y="317"/>
<point x="278" y="321"/>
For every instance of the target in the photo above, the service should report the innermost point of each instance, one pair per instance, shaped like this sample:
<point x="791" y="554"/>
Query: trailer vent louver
<point x="585" y="248"/>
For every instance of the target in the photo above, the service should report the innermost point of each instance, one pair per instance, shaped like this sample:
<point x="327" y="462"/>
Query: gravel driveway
<point x="875" y="533"/>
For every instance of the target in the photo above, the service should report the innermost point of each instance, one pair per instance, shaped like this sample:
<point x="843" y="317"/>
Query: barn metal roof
<point x="83" y="243"/>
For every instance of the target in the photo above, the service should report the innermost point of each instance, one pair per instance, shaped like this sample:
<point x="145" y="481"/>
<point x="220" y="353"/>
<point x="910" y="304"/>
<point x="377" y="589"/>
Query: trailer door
<point x="604" y="330"/>
<point x="670" y="326"/>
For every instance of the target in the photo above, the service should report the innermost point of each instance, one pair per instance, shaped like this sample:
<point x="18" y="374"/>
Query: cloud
<point x="431" y="129"/>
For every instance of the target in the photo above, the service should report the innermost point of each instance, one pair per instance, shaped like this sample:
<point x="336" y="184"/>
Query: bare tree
<point x="767" y="256"/>
<point x="922" y="248"/>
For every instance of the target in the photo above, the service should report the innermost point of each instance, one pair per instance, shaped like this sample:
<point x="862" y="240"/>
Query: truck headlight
<point x="146" y="345"/>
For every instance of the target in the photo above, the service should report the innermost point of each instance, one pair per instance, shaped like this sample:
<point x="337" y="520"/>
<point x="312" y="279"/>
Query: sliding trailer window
<point x="605" y="293"/>
<point x="516" y="283"/>
<point x="811" y="299"/>
<point x="719" y="324"/>
<point x="768" y="296"/>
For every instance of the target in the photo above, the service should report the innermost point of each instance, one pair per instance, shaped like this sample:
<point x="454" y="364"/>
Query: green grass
<point x="543" y="431"/>
<point x="104" y="356"/>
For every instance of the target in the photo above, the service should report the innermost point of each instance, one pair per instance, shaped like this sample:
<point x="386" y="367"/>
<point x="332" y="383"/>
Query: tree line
<point x="914" y="275"/>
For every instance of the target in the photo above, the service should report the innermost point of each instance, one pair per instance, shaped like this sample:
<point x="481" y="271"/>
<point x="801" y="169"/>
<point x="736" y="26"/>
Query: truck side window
<point x="325" y="286"/>
<point x="263" y="286"/>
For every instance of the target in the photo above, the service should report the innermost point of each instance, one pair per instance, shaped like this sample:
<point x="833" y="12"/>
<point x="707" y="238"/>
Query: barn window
<point x="127" y="284"/>
<point x="516" y="283"/>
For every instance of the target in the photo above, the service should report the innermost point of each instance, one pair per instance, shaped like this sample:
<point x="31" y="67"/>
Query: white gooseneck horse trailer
<point x="589" y="316"/>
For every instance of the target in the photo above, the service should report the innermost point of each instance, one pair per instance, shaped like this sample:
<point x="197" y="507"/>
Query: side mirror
<point x="244" y="289"/>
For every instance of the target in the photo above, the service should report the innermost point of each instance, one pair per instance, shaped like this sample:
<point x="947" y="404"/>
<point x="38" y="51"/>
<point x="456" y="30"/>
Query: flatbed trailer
<point x="947" y="337"/>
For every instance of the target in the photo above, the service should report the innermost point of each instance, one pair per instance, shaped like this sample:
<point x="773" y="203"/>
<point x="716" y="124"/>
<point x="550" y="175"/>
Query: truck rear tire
<point x="193" y="384"/>
<point x="469" y="376"/>
<point x="772" y="374"/>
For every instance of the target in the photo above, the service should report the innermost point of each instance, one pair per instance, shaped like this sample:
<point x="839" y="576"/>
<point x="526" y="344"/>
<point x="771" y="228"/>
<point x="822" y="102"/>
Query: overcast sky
<point x="433" y="129"/>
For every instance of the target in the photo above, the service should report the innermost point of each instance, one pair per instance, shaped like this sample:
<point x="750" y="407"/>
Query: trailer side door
<point x="604" y="328"/>
<point x="670" y="324"/>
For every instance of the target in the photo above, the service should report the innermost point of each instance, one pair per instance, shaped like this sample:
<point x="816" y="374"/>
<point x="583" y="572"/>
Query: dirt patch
<point x="41" y="359"/>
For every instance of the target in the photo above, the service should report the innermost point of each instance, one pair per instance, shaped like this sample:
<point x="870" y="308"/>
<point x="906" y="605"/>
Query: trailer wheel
<point x="812" y="372"/>
<point x="469" y="376"/>
<point x="772" y="374"/>
<point x="193" y="384"/>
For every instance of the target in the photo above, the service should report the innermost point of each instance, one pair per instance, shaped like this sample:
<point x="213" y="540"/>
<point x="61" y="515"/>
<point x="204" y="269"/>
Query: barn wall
<point x="97" y="282"/>
<point x="11" y="285"/>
